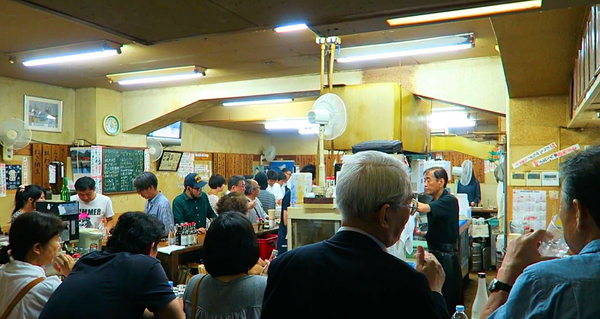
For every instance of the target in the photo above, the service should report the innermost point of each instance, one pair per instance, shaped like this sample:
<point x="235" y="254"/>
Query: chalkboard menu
<point x="119" y="168"/>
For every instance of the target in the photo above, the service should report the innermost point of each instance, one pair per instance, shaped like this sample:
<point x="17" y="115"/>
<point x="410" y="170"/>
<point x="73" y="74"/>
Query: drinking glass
<point x="554" y="245"/>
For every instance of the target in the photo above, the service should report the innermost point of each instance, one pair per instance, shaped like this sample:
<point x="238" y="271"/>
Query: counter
<point x="172" y="259"/>
<point x="311" y="224"/>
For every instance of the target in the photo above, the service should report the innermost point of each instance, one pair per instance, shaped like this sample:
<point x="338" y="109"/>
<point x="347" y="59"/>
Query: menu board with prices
<point x="119" y="168"/>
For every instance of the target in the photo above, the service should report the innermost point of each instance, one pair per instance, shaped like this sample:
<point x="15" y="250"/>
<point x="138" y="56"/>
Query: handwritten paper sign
<point x="556" y="155"/>
<point x="146" y="160"/>
<point x="25" y="171"/>
<point x="2" y="180"/>
<point x="96" y="167"/>
<point x="533" y="155"/>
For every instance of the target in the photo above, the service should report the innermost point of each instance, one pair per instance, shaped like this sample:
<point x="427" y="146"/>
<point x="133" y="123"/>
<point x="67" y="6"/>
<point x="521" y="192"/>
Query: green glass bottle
<point x="65" y="194"/>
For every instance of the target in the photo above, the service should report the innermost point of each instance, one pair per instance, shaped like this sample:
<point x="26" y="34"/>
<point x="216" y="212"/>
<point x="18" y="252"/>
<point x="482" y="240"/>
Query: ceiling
<point x="539" y="49"/>
<point x="234" y="40"/>
<point x="257" y="53"/>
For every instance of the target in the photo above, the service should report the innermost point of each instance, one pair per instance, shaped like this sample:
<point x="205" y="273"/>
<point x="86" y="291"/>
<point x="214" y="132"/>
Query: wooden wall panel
<point x="302" y="160"/>
<point x="457" y="158"/>
<point x="219" y="164"/>
<point x="229" y="164"/>
<point x="330" y="161"/>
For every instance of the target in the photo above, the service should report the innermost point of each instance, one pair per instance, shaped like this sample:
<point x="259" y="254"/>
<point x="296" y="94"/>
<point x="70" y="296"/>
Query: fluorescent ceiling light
<point x="406" y="48"/>
<point x="291" y="28"/>
<point x="288" y="124"/>
<point x="158" y="75"/>
<point x="71" y="58"/>
<point x="168" y="78"/>
<point x="66" y="53"/>
<point x="256" y="102"/>
<point x="438" y="121"/>
<point x="309" y="130"/>
<point x="466" y="13"/>
<point x="448" y="109"/>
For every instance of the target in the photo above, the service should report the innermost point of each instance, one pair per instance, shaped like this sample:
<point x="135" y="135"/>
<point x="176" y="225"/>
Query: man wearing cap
<point x="192" y="205"/>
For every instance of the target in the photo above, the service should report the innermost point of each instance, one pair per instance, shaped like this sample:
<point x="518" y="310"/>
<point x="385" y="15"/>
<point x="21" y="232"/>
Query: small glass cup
<point x="554" y="245"/>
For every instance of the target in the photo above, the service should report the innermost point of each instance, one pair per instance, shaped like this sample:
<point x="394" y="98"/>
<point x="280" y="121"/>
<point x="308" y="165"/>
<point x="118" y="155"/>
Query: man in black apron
<point x="442" y="233"/>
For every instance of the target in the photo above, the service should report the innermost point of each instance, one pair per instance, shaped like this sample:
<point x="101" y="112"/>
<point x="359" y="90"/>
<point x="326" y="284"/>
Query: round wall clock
<point x="111" y="124"/>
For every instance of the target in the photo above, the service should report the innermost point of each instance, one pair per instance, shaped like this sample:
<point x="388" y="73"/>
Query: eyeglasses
<point x="413" y="206"/>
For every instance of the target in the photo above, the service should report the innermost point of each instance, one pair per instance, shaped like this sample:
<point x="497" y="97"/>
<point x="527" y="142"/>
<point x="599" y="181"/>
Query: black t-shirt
<point x="442" y="221"/>
<point x="107" y="285"/>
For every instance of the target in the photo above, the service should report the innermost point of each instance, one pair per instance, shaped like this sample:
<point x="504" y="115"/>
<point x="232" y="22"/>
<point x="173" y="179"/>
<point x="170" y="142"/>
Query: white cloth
<point x="500" y="201"/>
<point x="13" y="277"/>
<point x="467" y="172"/>
<point x="101" y="207"/>
<point x="276" y="190"/>
<point x="407" y="234"/>
<point x="213" y="200"/>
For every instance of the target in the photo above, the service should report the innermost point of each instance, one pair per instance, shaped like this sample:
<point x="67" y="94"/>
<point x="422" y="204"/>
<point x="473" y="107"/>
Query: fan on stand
<point x="13" y="136"/>
<point x="155" y="149"/>
<point x="329" y="112"/>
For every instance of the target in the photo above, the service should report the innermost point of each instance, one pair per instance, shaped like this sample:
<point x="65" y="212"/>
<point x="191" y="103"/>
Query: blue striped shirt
<point x="160" y="207"/>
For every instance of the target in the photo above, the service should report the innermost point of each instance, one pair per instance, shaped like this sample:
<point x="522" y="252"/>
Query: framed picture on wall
<point x="41" y="114"/>
<point x="169" y="161"/>
<point x="13" y="176"/>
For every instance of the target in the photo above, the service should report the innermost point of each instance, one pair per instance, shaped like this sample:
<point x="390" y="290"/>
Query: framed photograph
<point x="169" y="161"/>
<point x="43" y="114"/>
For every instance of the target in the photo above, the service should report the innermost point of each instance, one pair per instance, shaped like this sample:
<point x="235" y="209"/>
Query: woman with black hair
<point x="34" y="243"/>
<point x="228" y="291"/>
<point x="442" y="232"/>
<point x="25" y="199"/>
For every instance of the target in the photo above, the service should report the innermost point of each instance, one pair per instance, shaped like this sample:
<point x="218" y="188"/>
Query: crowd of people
<point x="350" y="275"/>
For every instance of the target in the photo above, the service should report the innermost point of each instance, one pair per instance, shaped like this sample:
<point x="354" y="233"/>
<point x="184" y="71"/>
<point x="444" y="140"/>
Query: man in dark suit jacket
<point x="351" y="275"/>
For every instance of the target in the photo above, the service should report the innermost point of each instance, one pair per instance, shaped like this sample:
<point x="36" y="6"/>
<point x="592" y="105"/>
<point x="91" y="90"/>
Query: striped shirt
<point x="267" y="200"/>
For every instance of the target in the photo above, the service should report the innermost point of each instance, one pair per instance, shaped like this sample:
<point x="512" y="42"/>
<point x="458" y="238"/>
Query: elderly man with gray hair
<point x="351" y="275"/>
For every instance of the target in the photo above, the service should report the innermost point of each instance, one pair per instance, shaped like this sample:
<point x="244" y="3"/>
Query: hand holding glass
<point x="555" y="244"/>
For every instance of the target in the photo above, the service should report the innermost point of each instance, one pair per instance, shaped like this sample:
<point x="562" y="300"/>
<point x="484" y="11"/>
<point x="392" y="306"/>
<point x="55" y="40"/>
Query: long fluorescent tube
<point x="447" y="109"/>
<point x="71" y="58"/>
<point x="168" y="78"/>
<point x="158" y="75"/>
<point x="445" y="120"/>
<point x="448" y="124"/>
<point x="466" y="13"/>
<point x="406" y="48"/>
<point x="288" y="124"/>
<point x="256" y="102"/>
<point x="309" y="130"/>
<point x="291" y="28"/>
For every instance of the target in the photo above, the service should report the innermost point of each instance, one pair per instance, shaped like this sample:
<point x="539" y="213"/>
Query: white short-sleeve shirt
<point x="13" y="277"/>
<point x="101" y="207"/>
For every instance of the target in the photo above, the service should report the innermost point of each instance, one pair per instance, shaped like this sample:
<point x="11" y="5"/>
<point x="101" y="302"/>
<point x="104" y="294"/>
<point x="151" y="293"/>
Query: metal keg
<point x="476" y="257"/>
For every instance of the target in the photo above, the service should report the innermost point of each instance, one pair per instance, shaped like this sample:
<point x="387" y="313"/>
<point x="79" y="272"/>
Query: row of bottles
<point x="184" y="235"/>
<point x="480" y="300"/>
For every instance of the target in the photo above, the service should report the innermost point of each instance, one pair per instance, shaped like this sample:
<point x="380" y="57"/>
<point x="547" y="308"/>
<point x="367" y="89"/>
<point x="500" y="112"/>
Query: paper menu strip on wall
<point x="146" y="160"/>
<point x="2" y="180"/>
<point x="533" y="155"/>
<point x="25" y="172"/>
<point x="556" y="155"/>
<point x="96" y="167"/>
<point x="96" y="161"/>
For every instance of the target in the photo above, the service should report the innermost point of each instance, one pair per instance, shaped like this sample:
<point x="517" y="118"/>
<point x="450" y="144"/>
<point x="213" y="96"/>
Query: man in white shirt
<point x="274" y="187"/>
<point x="96" y="206"/>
